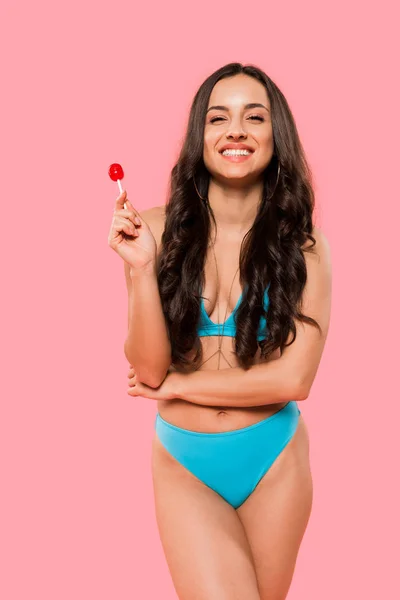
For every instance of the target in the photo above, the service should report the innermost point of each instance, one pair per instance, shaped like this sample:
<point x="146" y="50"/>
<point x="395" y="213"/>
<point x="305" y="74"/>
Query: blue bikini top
<point x="207" y="327"/>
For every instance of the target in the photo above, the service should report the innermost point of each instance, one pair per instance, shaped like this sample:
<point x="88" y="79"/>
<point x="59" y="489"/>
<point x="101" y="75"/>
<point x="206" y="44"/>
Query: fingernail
<point x="137" y="220"/>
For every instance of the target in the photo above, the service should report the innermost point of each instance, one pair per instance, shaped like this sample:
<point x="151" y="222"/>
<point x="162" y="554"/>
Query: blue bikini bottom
<point x="231" y="463"/>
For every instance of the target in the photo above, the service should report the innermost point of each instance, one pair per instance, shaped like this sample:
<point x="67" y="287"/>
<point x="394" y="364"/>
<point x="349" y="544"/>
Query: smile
<point x="236" y="155"/>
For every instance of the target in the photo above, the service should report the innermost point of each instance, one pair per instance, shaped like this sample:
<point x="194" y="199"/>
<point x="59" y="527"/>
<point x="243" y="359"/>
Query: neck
<point x="234" y="208"/>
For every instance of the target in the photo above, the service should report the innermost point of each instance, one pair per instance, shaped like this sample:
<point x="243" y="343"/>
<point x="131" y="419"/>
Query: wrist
<point x="149" y="269"/>
<point x="176" y="383"/>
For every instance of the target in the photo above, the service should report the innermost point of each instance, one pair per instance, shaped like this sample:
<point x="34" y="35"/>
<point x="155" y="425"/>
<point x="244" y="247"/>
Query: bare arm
<point x="289" y="377"/>
<point x="147" y="346"/>
<point x="266" y="383"/>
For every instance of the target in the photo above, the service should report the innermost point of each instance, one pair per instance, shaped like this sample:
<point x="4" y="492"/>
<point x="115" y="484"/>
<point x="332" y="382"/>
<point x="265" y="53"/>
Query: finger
<point x="126" y="225"/>
<point x="134" y="391"/>
<point x="128" y="214"/>
<point x="119" y="203"/>
<point x="137" y="218"/>
<point x="123" y="204"/>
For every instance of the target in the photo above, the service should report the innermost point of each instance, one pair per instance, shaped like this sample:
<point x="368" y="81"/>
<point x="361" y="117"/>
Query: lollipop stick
<point x="120" y="189"/>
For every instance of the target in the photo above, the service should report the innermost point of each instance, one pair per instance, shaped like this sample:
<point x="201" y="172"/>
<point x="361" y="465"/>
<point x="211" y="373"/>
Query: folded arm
<point x="289" y="377"/>
<point x="267" y="383"/>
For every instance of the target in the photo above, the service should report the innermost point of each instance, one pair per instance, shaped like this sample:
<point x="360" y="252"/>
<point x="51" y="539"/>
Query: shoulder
<point x="155" y="219"/>
<point x="321" y="240"/>
<point x="154" y="215"/>
<point x="321" y="248"/>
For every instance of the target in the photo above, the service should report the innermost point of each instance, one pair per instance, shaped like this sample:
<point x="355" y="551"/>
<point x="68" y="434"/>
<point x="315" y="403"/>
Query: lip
<point x="236" y="147"/>
<point x="239" y="158"/>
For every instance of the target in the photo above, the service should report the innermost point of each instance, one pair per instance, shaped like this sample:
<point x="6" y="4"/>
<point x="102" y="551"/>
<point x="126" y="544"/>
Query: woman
<point x="230" y="458"/>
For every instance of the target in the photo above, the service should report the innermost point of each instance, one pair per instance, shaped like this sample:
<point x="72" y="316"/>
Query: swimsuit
<point x="208" y="327"/>
<point x="231" y="463"/>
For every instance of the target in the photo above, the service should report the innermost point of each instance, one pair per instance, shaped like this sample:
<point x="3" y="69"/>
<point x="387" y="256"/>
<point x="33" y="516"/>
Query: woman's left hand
<point x="166" y="391"/>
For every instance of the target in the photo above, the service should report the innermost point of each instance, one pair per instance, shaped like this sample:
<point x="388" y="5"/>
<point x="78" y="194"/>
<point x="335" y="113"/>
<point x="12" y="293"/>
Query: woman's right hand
<point x="134" y="242"/>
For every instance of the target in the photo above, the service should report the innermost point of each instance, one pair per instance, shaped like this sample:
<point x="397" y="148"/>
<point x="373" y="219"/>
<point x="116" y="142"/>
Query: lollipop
<point x="116" y="173"/>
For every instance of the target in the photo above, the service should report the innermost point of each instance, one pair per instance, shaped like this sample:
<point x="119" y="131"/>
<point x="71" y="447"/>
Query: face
<point x="230" y="122"/>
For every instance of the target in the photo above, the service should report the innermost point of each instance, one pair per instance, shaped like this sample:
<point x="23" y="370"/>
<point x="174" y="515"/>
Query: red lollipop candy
<point x="116" y="173"/>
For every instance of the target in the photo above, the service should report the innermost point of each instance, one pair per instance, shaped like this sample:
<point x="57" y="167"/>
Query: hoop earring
<point x="194" y="181"/>
<point x="277" y="179"/>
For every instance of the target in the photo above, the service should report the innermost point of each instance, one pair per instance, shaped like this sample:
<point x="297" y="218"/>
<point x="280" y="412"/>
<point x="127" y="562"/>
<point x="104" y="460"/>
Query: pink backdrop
<point x="88" y="84"/>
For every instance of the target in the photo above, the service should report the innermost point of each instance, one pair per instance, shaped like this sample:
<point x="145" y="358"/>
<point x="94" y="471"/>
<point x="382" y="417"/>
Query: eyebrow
<point x="251" y="105"/>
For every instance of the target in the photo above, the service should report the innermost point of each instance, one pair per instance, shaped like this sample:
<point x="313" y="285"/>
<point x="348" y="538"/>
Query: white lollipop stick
<point x="121" y="190"/>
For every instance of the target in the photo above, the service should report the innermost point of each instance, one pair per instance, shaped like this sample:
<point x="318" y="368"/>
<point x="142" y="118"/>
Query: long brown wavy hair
<point x="271" y="251"/>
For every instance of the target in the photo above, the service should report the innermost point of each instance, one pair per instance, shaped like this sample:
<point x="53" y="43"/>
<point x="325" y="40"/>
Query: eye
<point x="251" y="117"/>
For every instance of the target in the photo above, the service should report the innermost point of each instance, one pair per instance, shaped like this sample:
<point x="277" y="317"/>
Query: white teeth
<point x="232" y="152"/>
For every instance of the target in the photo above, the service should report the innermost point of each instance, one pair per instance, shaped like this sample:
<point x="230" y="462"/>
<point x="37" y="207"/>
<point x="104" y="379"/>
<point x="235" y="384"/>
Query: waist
<point x="213" y="419"/>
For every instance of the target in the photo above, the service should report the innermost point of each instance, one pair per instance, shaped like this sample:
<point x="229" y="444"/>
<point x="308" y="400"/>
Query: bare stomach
<point x="217" y="419"/>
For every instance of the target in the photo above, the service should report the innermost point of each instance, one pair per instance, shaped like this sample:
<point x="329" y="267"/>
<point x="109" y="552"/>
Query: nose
<point x="236" y="130"/>
<point x="236" y="135"/>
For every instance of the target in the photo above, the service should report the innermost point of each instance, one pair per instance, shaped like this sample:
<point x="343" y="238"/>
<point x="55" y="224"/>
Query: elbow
<point x="152" y="378"/>
<point x="302" y="390"/>
<point x="148" y="373"/>
<point x="302" y="394"/>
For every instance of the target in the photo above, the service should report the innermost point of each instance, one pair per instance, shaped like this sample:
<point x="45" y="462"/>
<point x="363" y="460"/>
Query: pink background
<point x="88" y="84"/>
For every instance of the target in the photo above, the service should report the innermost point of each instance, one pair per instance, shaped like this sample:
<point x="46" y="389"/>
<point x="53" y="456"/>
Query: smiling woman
<point x="256" y="116"/>
<point x="230" y="461"/>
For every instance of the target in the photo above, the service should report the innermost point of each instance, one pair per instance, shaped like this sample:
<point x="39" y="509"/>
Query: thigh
<point x="204" y="542"/>
<point x="276" y="514"/>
